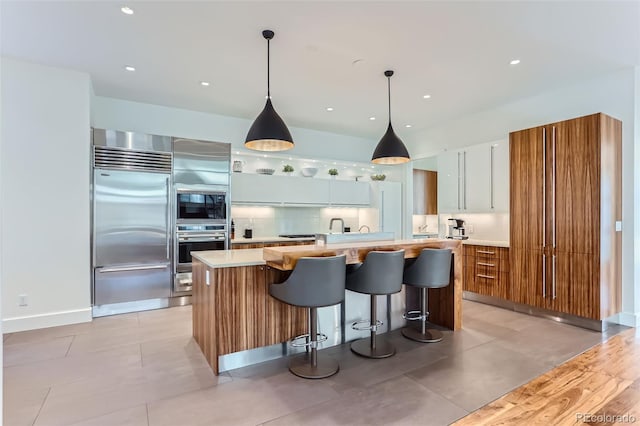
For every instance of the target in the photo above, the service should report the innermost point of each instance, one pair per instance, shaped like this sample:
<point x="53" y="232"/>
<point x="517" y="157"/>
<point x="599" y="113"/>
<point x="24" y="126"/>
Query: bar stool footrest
<point x="415" y="316"/>
<point x="320" y="337"/>
<point x="363" y="325"/>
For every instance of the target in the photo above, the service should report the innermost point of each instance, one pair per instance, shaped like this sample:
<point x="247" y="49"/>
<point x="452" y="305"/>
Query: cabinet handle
<point x="458" y="192"/>
<point x="553" y="172"/>
<point x="553" y="277"/>
<point x="486" y="264"/>
<point x="486" y="252"/>
<point x="491" y="178"/>
<point x="486" y="276"/>
<point x="464" y="181"/>
<point x="544" y="186"/>
<point x="544" y="275"/>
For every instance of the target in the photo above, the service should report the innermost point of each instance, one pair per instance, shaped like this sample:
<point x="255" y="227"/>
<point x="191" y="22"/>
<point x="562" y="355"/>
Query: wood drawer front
<point x="487" y="254"/>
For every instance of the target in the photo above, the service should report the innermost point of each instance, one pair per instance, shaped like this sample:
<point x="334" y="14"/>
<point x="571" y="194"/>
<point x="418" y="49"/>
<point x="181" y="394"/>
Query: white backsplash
<point x="420" y="220"/>
<point x="481" y="226"/>
<point x="269" y="221"/>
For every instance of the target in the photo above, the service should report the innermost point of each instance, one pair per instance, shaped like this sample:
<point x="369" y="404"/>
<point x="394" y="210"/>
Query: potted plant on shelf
<point x="333" y="173"/>
<point x="287" y="169"/>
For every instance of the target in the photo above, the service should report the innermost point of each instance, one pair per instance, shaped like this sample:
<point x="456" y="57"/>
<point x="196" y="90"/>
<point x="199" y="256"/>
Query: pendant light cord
<point x="389" y="92"/>
<point x="268" y="71"/>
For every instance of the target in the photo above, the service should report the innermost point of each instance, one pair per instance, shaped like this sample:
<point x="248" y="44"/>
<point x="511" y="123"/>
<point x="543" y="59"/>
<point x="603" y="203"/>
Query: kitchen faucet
<point x="422" y="228"/>
<point x="331" y="224"/>
<point x="364" y="226"/>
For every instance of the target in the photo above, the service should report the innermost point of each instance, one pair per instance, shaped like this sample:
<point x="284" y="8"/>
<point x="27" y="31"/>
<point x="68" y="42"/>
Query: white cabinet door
<point x="449" y="179"/>
<point x="387" y="199"/>
<point x="303" y="191"/>
<point x="476" y="179"/>
<point x="264" y="189"/>
<point x="250" y="188"/>
<point x="348" y="193"/>
<point x="500" y="177"/>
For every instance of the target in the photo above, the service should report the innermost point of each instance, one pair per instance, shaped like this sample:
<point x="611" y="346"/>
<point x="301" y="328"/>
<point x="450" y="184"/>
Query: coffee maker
<point x="456" y="230"/>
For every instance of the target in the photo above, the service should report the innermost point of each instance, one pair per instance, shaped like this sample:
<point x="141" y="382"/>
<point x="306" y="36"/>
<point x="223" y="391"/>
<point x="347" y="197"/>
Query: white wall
<point x="637" y="194"/>
<point x="109" y="113"/>
<point x="44" y="178"/>
<point x="614" y="94"/>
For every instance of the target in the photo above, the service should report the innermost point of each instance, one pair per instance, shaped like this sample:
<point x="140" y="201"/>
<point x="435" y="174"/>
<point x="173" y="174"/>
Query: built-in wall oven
<point x="195" y="237"/>
<point x="202" y="210"/>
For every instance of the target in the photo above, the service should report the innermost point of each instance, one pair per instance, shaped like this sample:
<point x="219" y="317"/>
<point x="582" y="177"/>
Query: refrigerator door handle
<point x="166" y="222"/>
<point x="131" y="268"/>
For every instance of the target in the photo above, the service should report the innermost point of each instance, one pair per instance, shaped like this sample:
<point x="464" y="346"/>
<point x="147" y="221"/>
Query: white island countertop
<point x="258" y="240"/>
<point x="230" y="258"/>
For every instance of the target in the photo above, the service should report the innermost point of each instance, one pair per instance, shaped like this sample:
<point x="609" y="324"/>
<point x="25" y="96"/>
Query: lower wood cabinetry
<point x="486" y="271"/>
<point x="235" y="311"/>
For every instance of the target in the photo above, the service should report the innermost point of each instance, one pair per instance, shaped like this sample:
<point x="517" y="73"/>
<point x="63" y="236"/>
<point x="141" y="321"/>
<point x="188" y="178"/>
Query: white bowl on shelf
<point x="309" y="171"/>
<point x="265" y="171"/>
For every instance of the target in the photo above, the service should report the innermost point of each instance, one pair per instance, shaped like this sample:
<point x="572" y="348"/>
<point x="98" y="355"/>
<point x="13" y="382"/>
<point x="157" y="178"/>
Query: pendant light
<point x="390" y="149"/>
<point x="268" y="132"/>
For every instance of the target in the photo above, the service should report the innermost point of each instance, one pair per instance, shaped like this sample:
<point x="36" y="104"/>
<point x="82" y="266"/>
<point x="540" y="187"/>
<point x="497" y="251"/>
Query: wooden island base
<point x="232" y="309"/>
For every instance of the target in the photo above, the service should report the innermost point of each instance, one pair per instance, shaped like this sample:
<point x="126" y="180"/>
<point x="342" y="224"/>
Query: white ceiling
<point x="458" y="52"/>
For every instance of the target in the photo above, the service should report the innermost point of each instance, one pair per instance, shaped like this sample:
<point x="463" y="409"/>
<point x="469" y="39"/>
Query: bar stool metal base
<point x="302" y="367"/>
<point x="363" y="348"/>
<point x="430" y="335"/>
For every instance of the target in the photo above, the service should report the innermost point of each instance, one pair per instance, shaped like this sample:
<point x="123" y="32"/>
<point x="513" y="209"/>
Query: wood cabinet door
<point x="425" y="192"/>
<point x="576" y="285"/>
<point x="526" y="271"/>
<point x="526" y="183"/>
<point x="575" y="185"/>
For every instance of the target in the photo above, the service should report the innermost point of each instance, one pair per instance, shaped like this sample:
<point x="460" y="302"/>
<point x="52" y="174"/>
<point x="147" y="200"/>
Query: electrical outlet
<point x="22" y="300"/>
<point x="470" y="229"/>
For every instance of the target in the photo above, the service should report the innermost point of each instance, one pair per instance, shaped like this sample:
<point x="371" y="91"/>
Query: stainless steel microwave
<point x="201" y="206"/>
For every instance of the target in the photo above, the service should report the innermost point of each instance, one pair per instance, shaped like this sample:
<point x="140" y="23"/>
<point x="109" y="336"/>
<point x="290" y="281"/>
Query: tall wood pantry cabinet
<point x="566" y="196"/>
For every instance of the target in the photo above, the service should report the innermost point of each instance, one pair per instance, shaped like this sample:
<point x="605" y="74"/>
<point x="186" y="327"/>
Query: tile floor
<point x="144" y="369"/>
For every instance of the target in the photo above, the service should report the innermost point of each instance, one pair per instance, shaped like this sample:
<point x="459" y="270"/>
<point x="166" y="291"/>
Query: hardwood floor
<point x="600" y="386"/>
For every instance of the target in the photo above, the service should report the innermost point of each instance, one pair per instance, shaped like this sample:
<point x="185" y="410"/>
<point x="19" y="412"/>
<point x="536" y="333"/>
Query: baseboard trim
<point x="591" y="324"/>
<point x="628" y="319"/>
<point x="52" y="319"/>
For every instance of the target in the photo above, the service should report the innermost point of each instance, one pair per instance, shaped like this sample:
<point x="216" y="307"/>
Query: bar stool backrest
<point x="314" y="282"/>
<point x="432" y="269"/>
<point x="380" y="273"/>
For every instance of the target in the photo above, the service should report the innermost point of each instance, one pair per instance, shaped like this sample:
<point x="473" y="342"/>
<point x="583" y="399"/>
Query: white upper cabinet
<point x="449" y="180"/>
<point x="474" y="179"/>
<point x="348" y="193"/>
<point x="500" y="178"/>
<point x="249" y="188"/>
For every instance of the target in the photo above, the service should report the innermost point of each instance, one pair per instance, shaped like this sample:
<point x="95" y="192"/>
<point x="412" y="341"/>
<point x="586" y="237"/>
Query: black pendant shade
<point x="390" y="149"/>
<point x="268" y="132"/>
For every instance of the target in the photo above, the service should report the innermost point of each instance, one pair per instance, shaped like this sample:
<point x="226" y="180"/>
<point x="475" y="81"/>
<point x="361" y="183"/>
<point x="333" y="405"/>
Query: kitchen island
<point x="233" y="312"/>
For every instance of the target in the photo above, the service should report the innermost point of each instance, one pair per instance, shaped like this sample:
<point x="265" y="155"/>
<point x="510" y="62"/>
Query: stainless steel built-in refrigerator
<point x="132" y="245"/>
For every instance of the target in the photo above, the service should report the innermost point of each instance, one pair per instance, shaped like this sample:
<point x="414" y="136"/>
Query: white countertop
<point x="257" y="240"/>
<point x="230" y="258"/>
<point x="491" y="243"/>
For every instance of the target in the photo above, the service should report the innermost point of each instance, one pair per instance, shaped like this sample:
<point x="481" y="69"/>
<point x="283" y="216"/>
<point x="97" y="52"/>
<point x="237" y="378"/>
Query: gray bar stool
<point x="431" y="269"/>
<point x="380" y="273"/>
<point x="315" y="282"/>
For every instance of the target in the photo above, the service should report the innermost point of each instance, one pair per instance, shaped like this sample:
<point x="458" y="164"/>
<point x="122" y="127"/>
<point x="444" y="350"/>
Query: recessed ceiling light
<point x="329" y="109"/>
<point x="126" y="10"/>
<point x="372" y="118"/>
<point x="407" y="125"/>
<point x="515" y="62"/>
<point x="204" y="83"/>
<point x="130" y="68"/>
<point x="426" y="96"/>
